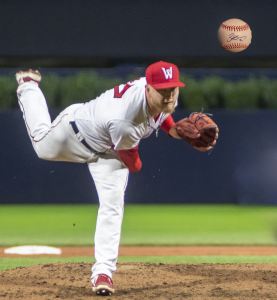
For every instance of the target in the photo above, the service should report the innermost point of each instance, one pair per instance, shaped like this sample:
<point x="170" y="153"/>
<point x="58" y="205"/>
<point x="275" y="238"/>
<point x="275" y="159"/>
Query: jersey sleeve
<point x="131" y="159"/>
<point x="167" y="124"/>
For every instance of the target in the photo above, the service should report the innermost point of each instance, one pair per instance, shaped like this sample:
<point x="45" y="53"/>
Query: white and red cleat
<point x="102" y="285"/>
<point x="28" y="76"/>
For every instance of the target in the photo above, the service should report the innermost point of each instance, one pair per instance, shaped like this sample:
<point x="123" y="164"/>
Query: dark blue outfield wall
<point x="241" y="169"/>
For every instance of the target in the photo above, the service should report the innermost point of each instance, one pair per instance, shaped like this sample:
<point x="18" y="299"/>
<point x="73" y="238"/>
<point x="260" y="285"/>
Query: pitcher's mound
<point x="143" y="281"/>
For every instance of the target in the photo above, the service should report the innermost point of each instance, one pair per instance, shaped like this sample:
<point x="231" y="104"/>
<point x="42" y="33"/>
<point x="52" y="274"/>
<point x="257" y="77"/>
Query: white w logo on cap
<point x="167" y="73"/>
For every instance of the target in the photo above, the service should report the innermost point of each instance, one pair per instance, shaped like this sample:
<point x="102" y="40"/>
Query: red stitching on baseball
<point x="234" y="46"/>
<point x="234" y="28"/>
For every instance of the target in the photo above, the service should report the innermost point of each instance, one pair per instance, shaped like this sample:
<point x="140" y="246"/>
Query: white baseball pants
<point x="58" y="142"/>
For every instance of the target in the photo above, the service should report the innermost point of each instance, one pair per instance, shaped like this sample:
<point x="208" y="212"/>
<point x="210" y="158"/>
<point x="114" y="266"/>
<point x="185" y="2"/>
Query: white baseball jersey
<point x="118" y="119"/>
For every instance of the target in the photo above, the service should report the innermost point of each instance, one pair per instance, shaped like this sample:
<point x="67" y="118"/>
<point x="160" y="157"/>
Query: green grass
<point x="47" y="224"/>
<point x="52" y="225"/>
<point x="11" y="263"/>
<point x="199" y="225"/>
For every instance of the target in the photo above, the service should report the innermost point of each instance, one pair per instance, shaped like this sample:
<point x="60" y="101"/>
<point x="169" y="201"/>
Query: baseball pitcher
<point x="105" y="133"/>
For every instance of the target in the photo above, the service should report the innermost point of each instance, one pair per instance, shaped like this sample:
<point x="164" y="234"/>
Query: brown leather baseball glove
<point x="199" y="130"/>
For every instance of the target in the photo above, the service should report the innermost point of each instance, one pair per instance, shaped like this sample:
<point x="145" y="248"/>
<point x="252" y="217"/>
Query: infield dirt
<point x="144" y="281"/>
<point x="148" y="280"/>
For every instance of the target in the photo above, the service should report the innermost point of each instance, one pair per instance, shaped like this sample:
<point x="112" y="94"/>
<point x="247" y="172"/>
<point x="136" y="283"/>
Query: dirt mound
<point x="143" y="281"/>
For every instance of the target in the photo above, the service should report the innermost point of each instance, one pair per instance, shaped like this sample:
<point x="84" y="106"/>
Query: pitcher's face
<point x="162" y="100"/>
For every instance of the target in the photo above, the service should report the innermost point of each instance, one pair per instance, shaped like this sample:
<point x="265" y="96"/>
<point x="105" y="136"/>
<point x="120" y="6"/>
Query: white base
<point x="33" y="250"/>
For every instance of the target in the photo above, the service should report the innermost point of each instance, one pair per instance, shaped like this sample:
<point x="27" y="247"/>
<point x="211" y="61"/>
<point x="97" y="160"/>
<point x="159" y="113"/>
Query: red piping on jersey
<point x="28" y="128"/>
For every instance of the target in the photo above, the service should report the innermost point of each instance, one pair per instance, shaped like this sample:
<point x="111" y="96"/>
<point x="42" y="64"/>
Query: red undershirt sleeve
<point x="131" y="159"/>
<point x="167" y="124"/>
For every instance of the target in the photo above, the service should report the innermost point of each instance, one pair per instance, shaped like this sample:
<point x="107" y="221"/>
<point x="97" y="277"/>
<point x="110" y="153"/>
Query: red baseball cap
<point x="163" y="75"/>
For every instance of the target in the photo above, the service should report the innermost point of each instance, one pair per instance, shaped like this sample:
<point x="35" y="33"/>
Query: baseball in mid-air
<point x="234" y="35"/>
